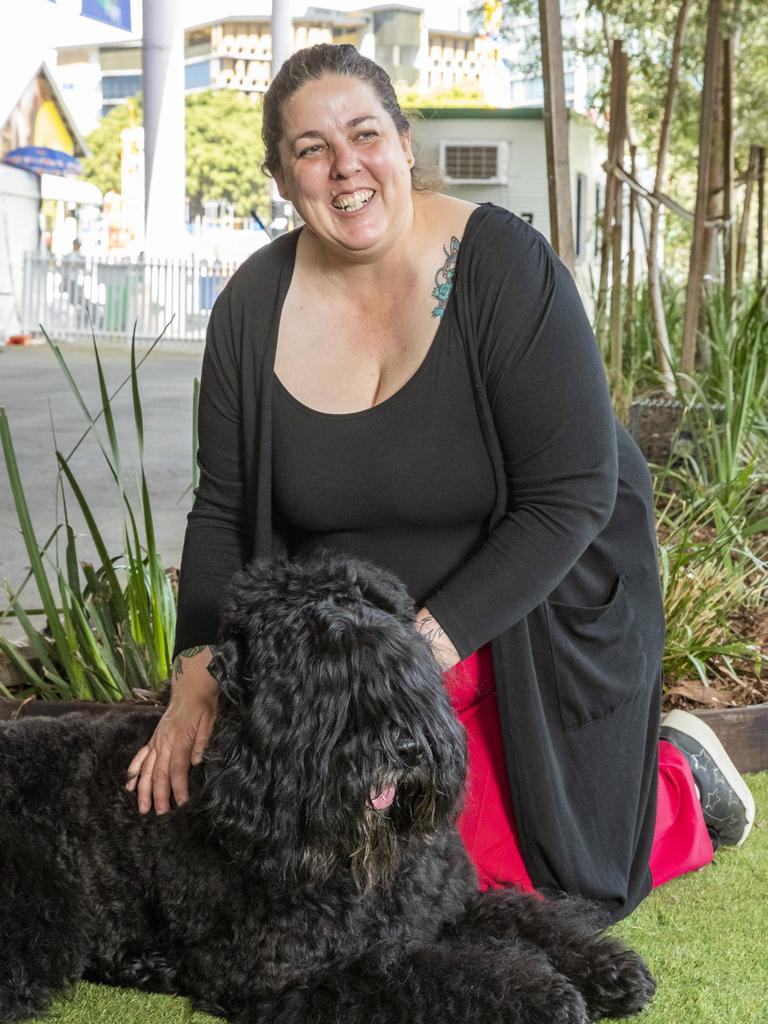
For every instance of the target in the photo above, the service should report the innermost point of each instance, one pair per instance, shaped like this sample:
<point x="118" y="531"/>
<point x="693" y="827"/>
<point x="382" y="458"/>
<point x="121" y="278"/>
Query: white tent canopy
<point x="70" y="190"/>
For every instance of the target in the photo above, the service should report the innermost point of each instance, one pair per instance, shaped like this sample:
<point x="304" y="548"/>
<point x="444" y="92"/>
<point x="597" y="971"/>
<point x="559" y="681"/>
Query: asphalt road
<point x="35" y="394"/>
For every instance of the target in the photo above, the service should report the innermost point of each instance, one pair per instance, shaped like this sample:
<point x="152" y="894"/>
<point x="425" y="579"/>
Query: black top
<point x="565" y="583"/>
<point x="407" y="484"/>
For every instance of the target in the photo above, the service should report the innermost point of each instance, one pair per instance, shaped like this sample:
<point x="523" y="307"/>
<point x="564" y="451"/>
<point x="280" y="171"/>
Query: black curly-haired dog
<point x="315" y="875"/>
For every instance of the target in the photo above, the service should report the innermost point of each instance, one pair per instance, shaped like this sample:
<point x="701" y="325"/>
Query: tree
<point x="647" y="31"/>
<point x="102" y="167"/>
<point x="224" y="151"/>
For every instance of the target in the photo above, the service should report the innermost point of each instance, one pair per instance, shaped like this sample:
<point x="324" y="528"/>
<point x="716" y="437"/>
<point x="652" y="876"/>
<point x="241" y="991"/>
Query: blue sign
<point x="41" y="160"/>
<point x="113" y="12"/>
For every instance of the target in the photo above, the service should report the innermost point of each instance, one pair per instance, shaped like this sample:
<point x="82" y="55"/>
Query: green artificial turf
<point x="705" y="937"/>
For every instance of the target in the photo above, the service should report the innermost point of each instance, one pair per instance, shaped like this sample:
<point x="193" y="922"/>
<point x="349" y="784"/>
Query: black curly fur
<point x="279" y="894"/>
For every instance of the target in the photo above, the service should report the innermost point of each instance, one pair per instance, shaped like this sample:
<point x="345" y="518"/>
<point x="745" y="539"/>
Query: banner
<point x="41" y="160"/>
<point x="113" y="12"/>
<point x="35" y="135"/>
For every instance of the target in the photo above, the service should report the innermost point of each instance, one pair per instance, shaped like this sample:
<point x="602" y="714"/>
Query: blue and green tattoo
<point x="444" y="277"/>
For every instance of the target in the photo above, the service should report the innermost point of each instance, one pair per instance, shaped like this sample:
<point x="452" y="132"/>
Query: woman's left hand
<point x="445" y="653"/>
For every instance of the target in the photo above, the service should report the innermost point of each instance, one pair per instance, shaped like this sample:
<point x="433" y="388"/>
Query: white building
<point x="499" y="156"/>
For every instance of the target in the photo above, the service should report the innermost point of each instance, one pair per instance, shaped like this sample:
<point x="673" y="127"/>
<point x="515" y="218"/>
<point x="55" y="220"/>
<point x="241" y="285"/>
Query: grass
<point x="703" y="936"/>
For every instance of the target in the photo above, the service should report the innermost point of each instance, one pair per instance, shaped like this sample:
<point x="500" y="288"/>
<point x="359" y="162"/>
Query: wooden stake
<point x="698" y="248"/>
<point x="610" y="193"/>
<point x="617" y="159"/>
<point x="741" y="245"/>
<point x="556" y="133"/>
<point x="629" y="315"/>
<point x="663" y="348"/>
<point x="760" y="212"/>
<point x="728" y="232"/>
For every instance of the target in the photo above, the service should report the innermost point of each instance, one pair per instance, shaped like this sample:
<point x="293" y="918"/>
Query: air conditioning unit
<point x="474" y="163"/>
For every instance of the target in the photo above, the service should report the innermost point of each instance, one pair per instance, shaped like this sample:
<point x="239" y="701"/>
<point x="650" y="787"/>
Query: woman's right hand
<point x="162" y="766"/>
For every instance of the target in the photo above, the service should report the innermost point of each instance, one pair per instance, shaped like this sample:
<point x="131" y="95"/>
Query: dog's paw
<point x="620" y="983"/>
<point x="555" y="1001"/>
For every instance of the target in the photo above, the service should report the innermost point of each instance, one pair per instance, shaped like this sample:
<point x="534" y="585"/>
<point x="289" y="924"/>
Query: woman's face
<point x="344" y="166"/>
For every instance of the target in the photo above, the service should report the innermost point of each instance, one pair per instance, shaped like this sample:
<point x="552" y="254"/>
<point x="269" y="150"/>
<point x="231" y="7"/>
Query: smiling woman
<point x="411" y="379"/>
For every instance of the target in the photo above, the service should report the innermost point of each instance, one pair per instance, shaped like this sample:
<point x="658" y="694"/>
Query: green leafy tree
<point x="102" y="167"/>
<point x="224" y="152"/>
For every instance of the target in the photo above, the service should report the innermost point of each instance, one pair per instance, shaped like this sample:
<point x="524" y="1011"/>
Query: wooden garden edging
<point x="742" y="731"/>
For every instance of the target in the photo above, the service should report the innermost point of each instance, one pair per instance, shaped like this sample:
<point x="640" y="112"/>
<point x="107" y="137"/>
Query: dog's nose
<point x="408" y="750"/>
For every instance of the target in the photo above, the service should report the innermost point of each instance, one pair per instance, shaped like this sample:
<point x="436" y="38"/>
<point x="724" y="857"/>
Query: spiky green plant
<point x="110" y="623"/>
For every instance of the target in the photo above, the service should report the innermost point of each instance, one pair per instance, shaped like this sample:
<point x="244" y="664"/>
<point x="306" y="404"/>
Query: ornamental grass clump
<point x="109" y="622"/>
<point x="709" y="573"/>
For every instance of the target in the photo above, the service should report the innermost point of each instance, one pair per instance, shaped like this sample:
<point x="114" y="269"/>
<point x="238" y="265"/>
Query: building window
<point x="120" y="87"/>
<point x="581" y="216"/>
<point x="474" y="162"/>
<point x="533" y="90"/>
<point x="197" y="75"/>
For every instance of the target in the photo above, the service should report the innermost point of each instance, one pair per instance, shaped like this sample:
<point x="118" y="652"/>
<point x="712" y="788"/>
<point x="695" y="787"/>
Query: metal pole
<point x="164" y="137"/>
<point x="282" y="48"/>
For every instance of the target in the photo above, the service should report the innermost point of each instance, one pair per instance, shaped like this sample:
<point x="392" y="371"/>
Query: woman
<point x="411" y="378"/>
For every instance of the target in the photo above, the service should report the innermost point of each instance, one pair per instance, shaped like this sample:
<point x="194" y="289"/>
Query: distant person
<point x="73" y="266"/>
<point x="412" y="379"/>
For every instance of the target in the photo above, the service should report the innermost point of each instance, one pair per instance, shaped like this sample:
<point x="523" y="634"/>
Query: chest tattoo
<point x="444" y="277"/>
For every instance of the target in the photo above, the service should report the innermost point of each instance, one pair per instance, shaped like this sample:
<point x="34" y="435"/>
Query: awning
<point x="70" y="190"/>
<point x="40" y="159"/>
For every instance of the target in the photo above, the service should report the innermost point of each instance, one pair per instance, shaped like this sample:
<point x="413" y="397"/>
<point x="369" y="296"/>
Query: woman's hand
<point x="181" y="735"/>
<point x="445" y="653"/>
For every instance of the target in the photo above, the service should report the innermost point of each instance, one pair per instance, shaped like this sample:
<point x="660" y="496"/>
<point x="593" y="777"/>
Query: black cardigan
<point x="566" y="585"/>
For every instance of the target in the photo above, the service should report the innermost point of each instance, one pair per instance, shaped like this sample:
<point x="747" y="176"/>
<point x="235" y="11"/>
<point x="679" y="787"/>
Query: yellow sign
<point x="36" y="121"/>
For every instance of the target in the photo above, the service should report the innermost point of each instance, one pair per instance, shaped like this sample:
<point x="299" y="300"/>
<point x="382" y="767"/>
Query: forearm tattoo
<point x="189" y="653"/>
<point x="430" y="628"/>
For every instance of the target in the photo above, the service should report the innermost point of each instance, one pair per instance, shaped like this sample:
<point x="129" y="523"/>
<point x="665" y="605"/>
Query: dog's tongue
<point x="381" y="801"/>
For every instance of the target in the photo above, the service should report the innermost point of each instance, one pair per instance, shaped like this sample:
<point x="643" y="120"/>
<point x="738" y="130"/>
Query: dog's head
<point x="335" y="739"/>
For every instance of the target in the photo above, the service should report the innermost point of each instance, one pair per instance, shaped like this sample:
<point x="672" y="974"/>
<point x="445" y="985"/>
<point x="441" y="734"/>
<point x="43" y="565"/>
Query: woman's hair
<point x="312" y="63"/>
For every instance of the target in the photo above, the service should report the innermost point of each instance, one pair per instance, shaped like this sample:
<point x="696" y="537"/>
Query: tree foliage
<point x="646" y="30"/>
<point x="224" y="152"/>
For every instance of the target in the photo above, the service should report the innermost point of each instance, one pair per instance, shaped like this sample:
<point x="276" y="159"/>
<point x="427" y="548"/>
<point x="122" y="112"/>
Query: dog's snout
<point x="408" y="750"/>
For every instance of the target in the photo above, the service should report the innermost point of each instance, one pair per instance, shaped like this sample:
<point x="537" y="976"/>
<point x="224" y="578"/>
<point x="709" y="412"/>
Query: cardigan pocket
<point x="598" y="656"/>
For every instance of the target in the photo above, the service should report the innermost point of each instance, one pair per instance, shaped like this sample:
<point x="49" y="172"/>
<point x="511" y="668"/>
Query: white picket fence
<point x="75" y="296"/>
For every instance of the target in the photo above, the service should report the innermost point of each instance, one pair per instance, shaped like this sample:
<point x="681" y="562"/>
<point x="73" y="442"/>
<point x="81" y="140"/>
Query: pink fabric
<point x="487" y="822"/>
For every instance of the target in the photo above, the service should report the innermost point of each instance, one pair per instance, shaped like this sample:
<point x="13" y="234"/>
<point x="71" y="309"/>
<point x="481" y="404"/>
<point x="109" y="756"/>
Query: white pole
<point x="282" y="48"/>
<point x="164" y="137"/>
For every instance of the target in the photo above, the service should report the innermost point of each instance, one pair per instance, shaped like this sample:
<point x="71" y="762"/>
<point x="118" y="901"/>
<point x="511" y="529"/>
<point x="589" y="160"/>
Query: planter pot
<point x="662" y="428"/>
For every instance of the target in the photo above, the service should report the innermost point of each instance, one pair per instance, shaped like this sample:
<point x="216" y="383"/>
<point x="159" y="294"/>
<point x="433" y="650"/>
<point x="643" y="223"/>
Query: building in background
<point x="581" y="77"/>
<point x="234" y="51"/>
<point x="499" y="156"/>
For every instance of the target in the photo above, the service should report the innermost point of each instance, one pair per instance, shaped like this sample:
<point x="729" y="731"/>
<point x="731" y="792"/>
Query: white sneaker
<point x="728" y="805"/>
